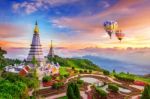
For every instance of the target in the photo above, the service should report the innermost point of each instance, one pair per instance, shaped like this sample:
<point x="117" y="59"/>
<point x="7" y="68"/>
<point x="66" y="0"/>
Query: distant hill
<point x="119" y="66"/>
<point x="75" y="62"/>
<point x="148" y="76"/>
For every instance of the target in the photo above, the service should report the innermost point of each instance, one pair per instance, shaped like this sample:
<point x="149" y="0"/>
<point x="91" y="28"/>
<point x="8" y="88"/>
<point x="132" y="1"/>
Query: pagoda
<point x="36" y="47"/>
<point x="51" y="51"/>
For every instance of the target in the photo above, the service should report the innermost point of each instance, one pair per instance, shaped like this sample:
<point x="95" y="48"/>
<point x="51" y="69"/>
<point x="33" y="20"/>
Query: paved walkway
<point x="83" y="94"/>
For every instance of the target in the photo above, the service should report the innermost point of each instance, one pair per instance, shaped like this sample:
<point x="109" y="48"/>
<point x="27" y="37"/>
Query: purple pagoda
<point x="36" y="47"/>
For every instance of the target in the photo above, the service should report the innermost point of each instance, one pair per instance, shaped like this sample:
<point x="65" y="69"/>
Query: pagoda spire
<point x="36" y="29"/>
<point x="51" y="51"/>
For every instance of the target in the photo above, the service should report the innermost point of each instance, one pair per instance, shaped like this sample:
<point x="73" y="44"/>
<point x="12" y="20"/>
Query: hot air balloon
<point x="119" y="35"/>
<point x="110" y="27"/>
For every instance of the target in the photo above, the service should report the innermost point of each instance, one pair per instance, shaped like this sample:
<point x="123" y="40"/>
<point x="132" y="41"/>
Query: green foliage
<point x="81" y="71"/>
<point x="106" y="72"/>
<point x="30" y="82"/>
<point x="90" y="71"/>
<point x="73" y="68"/>
<point x="47" y="78"/>
<point x="64" y="97"/>
<point x="101" y="92"/>
<point x="85" y="71"/>
<point x="63" y="71"/>
<point x="5" y="96"/>
<point x="114" y="71"/>
<point x="34" y="61"/>
<point x="6" y="62"/>
<point x="113" y="87"/>
<point x="79" y="81"/>
<point x="74" y="62"/>
<point x="125" y="77"/>
<point x="146" y="92"/>
<point x="57" y="85"/>
<point x="15" y="90"/>
<point x="73" y="91"/>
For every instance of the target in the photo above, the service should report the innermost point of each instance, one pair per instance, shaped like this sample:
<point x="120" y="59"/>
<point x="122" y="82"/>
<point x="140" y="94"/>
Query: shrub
<point x="61" y="77"/>
<point x="101" y="92"/>
<point x="57" y="85"/>
<point x="73" y="68"/>
<point x="66" y="75"/>
<point x="113" y="87"/>
<point x="124" y="77"/>
<point x="85" y="71"/>
<point x="47" y="78"/>
<point x="146" y="92"/>
<point x="79" y="81"/>
<point x="76" y="71"/>
<point x="81" y="71"/>
<point x="106" y="72"/>
<point x="90" y="71"/>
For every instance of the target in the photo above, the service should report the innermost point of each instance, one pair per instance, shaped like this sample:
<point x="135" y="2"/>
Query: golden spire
<point x="36" y="29"/>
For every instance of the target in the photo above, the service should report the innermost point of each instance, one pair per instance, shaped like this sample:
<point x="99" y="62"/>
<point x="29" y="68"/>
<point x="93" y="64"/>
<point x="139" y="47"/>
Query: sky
<point x="76" y="27"/>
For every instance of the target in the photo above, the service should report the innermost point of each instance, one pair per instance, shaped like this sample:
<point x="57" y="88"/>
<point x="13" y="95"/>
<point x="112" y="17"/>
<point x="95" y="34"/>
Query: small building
<point x="50" y="68"/>
<point x="19" y="69"/>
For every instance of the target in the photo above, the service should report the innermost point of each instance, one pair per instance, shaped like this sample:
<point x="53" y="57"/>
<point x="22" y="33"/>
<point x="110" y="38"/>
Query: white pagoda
<point x="36" y="47"/>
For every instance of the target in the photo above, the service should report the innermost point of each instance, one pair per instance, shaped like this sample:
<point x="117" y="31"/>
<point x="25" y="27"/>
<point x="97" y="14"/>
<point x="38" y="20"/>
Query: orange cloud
<point x="133" y="19"/>
<point x="11" y="31"/>
<point x="9" y="44"/>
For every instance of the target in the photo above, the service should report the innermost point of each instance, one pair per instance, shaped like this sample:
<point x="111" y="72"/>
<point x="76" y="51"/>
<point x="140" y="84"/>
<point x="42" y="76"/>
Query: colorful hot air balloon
<point x="110" y="27"/>
<point x="119" y="35"/>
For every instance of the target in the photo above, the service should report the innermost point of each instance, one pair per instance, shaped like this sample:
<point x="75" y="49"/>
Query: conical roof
<point x="36" y="29"/>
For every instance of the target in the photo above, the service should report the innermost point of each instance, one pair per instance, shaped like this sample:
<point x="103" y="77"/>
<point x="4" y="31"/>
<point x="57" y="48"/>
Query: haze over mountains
<point x="119" y="66"/>
<point x="134" y="60"/>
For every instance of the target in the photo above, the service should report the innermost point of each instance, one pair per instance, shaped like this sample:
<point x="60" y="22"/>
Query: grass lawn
<point x="142" y="79"/>
<point x="138" y="78"/>
<point x="63" y="71"/>
<point x="64" y="97"/>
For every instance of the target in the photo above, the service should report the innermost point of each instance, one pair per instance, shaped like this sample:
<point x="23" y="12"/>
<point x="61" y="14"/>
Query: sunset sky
<point x="76" y="27"/>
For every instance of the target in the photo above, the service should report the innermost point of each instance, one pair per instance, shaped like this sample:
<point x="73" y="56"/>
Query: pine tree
<point x="70" y="93"/>
<point x="76" y="91"/>
<point x="146" y="92"/>
<point x="73" y="91"/>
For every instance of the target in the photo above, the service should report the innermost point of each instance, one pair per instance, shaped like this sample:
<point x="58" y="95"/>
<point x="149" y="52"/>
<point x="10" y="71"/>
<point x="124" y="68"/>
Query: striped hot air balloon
<point x="119" y="35"/>
<point x="110" y="27"/>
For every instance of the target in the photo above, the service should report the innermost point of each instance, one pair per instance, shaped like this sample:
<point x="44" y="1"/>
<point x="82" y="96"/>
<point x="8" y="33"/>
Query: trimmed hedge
<point x="124" y="78"/>
<point x="113" y="87"/>
<point x="101" y="92"/>
<point x="46" y="78"/>
<point x="79" y="81"/>
<point x="57" y="85"/>
<point x="106" y="72"/>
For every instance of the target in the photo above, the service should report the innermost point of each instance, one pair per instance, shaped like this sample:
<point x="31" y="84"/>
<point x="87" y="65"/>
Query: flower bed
<point x="47" y="84"/>
<point x="140" y="83"/>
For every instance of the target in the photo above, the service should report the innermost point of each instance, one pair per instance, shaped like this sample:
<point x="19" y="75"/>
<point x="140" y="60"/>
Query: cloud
<point x="32" y="6"/>
<point x="131" y="15"/>
<point x="11" y="30"/>
<point x="10" y="44"/>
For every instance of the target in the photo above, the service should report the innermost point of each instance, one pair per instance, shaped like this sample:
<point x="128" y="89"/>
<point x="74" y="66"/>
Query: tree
<point x="73" y="91"/>
<point x="76" y="91"/>
<point x="146" y="92"/>
<point x="35" y="63"/>
<point x="106" y="72"/>
<point x="70" y="93"/>
<point x="114" y="71"/>
<point x="2" y="59"/>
